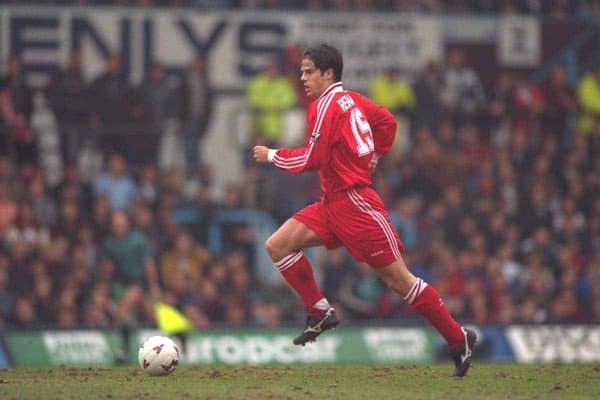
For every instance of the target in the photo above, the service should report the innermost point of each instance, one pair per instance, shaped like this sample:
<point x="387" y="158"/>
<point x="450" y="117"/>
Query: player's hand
<point x="261" y="154"/>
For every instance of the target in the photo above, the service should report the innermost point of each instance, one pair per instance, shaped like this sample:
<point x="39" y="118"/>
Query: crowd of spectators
<point x="494" y="191"/>
<point x="554" y="8"/>
<point x="97" y="254"/>
<point x="126" y="116"/>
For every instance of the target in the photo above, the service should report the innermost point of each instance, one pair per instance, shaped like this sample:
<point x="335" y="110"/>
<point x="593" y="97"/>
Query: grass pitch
<point x="485" y="381"/>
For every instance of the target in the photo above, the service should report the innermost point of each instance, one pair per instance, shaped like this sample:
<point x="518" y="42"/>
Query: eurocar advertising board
<point x="374" y="345"/>
<point x="552" y="343"/>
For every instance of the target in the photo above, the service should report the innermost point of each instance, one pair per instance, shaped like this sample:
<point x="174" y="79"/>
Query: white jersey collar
<point x="333" y="88"/>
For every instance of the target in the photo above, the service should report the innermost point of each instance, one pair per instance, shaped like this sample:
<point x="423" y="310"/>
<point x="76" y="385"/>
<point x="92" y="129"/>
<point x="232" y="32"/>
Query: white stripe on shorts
<point x="365" y="207"/>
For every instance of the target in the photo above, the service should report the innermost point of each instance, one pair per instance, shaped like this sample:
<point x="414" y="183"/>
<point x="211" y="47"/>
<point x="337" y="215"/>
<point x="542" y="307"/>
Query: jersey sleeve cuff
<point x="271" y="154"/>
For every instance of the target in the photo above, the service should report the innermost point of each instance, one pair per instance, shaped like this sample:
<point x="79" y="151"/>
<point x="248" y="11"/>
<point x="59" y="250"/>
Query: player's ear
<point x="328" y="73"/>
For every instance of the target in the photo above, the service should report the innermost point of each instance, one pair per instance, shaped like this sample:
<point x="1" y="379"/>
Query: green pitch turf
<point x="380" y="382"/>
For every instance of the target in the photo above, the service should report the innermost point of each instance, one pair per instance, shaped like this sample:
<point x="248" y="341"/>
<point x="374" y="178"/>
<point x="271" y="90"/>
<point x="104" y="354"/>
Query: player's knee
<point x="397" y="278"/>
<point x="271" y="247"/>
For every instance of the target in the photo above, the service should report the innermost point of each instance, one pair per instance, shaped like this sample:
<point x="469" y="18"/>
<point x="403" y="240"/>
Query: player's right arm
<point x="294" y="161"/>
<point x="313" y="154"/>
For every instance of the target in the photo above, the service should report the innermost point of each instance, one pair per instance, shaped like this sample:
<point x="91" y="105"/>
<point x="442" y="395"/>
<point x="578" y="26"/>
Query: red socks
<point x="297" y="271"/>
<point x="425" y="300"/>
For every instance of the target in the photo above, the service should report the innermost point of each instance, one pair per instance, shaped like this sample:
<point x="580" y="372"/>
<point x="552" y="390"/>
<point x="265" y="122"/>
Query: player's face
<point x="315" y="81"/>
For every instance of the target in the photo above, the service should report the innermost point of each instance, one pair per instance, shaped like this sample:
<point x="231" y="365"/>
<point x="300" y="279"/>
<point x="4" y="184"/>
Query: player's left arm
<point x="383" y="126"/>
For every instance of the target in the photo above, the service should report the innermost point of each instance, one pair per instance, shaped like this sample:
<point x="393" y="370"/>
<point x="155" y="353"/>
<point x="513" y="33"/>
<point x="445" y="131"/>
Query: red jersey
<point x="345" y="130"/>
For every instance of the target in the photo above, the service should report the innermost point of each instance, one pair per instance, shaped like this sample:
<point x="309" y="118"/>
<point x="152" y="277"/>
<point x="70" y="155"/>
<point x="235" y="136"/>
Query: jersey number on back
<point x="362" y="133"/>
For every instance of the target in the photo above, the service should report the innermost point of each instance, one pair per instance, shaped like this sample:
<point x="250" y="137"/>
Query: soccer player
<point x="347" y="133"/>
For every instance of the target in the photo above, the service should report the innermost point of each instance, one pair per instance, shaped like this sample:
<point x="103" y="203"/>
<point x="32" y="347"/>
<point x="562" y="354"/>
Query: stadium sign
<point x="258" y="349"/>
<point x="519" y="41"/>
<point x="77" y="348"/>
<point x="235" y="45"/>
<point x="555" y="343"/>
<point x="398" y="344"/>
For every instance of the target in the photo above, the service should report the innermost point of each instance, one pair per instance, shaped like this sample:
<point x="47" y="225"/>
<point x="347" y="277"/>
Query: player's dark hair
<point x="325" y="57"/>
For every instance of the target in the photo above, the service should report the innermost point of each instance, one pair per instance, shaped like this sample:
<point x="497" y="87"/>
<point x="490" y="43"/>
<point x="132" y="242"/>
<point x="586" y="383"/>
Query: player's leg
<point x="368" y="234"/>
<point x="292" y="236"/>
<point x="422" y="297"/>
<point x="425" y="300"/>
<point x="285" y="247"/>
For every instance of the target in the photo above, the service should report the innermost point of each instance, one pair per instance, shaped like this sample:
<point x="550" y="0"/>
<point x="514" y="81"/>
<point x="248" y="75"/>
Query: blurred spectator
<point x="406" y="212"/>
<point x="334" y="266"/>
<point x="474" y="150"/>
<point x="14" y="80"/>
<point x="16" y="106"/>
<point x="560" y="104"/>
<point x="116" y="183"/>
<point x="500" y="108"/>
<point x="24" y="316"/>
<point x="7" y="299"/>
<point x="135" y="269"/>
<point x="588" y="93"/>
<point x="428" y="110"/>
<point x="148" y="185"/>
<point x="44" y="206"/>
<point x="528" y="105"/>
<point x="360" y="291"/>
<point x="110" y="95"/>
<point x="161" y="96"/>
<point x="391" y="90"/>
<point x="8" y="209"/>
<point x="185" y="264"/>
<point x="197" y="110"/>
<point x="67" y="95"/>
<point x="462" y="93"/>
<point x="26" y="229"/>
<point x="74" y="188"/>
<point x="270" y="94"/>
<point x="95" y="312"/>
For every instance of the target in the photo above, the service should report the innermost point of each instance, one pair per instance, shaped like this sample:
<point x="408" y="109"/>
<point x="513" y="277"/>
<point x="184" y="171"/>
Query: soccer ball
<point x="158" y="355"/>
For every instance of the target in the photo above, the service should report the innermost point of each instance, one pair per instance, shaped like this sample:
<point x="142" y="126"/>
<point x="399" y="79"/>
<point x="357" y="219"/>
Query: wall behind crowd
<point x="126" y="173"/>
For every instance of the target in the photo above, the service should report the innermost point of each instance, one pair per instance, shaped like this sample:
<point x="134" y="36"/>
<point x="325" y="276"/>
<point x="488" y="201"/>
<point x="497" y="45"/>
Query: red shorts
<point x="357" y="220"/>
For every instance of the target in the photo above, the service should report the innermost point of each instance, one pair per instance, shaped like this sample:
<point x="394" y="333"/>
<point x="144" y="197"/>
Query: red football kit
<point x="346" y="131"/>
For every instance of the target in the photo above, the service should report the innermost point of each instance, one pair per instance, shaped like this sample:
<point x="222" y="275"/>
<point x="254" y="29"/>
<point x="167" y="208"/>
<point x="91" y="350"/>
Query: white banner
<point x="519" y="41"/>
<point x="235" y="45"/>
<point x="555" y="343"/>
<point x="78" y="348"/>
<point x="394" y="344"/>
<point x="373" y="43"/>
